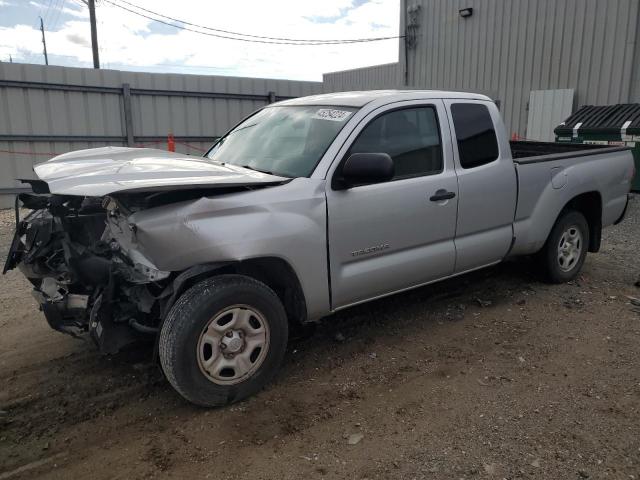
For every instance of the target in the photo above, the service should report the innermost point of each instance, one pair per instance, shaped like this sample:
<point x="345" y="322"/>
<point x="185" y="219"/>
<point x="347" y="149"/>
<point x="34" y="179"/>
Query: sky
<point x="130" y="42"/>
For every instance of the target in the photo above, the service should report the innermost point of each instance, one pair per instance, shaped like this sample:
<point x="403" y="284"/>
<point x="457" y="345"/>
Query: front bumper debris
<point x="85" y="282"/>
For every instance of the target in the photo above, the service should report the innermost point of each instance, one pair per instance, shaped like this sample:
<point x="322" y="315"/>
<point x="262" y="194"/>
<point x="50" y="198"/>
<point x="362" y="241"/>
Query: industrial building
<point x="539" y="59"/>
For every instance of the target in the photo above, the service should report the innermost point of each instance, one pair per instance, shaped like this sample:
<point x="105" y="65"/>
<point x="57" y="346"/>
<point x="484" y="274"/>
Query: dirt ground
<point x="492" y="375"/>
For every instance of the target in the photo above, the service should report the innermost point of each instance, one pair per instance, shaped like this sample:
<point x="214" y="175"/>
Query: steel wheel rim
<point x="569" y="248"/>
<point x="233" y="345"/>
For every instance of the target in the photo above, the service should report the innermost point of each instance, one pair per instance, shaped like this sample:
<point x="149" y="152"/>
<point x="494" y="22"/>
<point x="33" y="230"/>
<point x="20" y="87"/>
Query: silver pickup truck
<point x="306" y="207"/>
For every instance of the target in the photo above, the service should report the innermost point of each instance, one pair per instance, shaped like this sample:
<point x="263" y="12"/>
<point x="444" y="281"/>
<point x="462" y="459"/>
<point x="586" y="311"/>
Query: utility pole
<point x="94" y="33"/>
<point x="412" y="23"/>
<point x="44" y="42"/>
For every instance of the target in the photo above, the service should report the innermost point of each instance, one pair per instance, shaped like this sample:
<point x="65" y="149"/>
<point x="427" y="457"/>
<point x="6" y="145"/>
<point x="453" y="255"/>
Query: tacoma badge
<point x="365" y="251"/>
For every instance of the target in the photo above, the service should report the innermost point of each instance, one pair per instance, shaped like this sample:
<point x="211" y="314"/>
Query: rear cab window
<point x="475" y="133"/>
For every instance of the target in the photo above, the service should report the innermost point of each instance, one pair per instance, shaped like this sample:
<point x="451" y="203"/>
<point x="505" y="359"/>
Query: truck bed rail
<point x="534" y="152"/>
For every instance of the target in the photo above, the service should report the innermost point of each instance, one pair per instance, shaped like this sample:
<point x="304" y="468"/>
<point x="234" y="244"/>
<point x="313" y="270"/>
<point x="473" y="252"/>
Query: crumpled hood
<point x="99" y="171"/>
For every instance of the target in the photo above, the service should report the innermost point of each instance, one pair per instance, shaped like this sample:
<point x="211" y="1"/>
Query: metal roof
<point x="603" y="119"/>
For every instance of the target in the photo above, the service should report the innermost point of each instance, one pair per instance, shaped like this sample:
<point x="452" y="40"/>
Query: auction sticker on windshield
<point x="331" y="114"/>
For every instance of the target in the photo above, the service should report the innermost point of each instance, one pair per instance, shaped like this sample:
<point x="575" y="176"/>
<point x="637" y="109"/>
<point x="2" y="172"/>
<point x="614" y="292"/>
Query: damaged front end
<point x="86" y="282"/>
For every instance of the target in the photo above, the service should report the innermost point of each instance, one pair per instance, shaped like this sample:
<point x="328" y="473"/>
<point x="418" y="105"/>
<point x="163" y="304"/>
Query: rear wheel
<point x="223" y="340"/>
<point x="566" y="248"/>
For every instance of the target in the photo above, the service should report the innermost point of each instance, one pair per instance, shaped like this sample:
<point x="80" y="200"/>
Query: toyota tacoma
<point x="306" y="207"/>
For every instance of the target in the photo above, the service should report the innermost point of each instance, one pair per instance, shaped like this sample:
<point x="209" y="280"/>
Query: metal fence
<point x="45" y="111"/>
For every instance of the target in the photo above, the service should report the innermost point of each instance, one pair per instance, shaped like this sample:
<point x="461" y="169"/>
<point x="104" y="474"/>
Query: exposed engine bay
<point x="87" y="278"/>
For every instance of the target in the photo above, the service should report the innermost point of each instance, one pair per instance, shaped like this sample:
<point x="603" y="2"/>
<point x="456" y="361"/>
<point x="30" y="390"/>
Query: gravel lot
<point x="492" y="375"/>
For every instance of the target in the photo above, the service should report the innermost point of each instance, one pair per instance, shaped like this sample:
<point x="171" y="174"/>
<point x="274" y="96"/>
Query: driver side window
<point x="409" y="136"/>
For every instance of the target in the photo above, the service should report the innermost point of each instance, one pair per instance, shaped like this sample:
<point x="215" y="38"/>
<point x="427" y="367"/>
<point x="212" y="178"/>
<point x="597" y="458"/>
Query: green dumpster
<point x="605" y="125"/>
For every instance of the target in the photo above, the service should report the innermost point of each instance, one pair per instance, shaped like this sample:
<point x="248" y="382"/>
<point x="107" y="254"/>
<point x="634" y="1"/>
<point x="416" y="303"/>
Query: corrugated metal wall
<point x="195" y="108"/>
<point x="635" y="68"/>
<point x="508" y="48"/>
<point x="515" y="46"/>
<point x="388" y="75"/>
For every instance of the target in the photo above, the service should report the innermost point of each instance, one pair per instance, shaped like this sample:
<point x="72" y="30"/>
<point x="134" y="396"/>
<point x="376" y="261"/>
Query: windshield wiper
<point x="257" y="170"/>
<point x="242" y="128"/>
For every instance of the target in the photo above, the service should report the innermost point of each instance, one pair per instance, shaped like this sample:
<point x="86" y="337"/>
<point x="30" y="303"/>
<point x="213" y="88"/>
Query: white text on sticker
<point x="331" y="114"/>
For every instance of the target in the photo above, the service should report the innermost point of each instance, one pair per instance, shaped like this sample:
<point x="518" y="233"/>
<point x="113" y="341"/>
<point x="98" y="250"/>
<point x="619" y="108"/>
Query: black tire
<point x="549" y="254"/>
<point x="186" y="321"/>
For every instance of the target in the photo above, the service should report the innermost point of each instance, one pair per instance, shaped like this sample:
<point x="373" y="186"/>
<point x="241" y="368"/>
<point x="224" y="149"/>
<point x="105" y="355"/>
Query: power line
<point x="238" y="37"/>
<point x="46" y="13"/>
<point x="354" y="40"/>
<point x="57" y="17"/>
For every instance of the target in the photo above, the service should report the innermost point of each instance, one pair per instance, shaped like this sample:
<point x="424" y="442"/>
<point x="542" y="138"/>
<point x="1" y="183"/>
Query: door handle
<point x="441" y="195"/>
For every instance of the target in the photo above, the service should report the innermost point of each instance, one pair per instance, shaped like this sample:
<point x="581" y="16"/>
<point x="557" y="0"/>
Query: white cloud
<point x="127" y="39"/>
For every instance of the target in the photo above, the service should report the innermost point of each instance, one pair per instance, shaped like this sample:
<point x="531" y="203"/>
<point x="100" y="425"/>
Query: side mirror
<point x="366" y="168"/>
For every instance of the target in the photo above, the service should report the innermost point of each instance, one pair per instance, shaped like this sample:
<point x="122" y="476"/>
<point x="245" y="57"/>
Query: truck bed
<point x="552" y="174"/>
<point x="530" y="152"/>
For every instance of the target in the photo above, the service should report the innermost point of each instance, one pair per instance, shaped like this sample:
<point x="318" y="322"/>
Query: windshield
<point x="285" y="141"/>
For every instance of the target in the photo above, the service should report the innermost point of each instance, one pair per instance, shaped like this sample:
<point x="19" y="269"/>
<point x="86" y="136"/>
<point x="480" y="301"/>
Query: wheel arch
<point x="274" y="272"/>
<point x="588" y="204"/>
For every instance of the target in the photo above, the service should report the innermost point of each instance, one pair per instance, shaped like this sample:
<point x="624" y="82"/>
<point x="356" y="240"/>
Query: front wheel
<point x="223" y="340"/>
<point x="566" y="248"/>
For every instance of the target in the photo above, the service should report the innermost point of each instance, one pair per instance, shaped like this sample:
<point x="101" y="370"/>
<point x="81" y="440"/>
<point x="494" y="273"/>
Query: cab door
<point x="395" y="235"/>
<point x="487" y="184"/>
